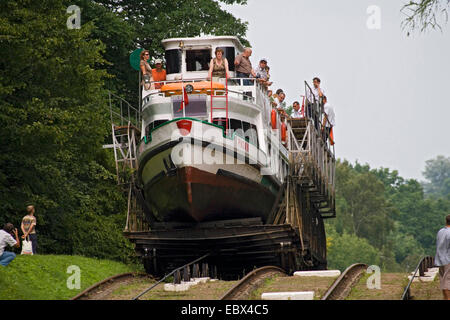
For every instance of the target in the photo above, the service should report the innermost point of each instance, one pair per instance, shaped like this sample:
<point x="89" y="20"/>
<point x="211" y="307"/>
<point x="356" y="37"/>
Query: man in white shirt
<point x="314" y="107"/>
<point x="329" y="113"/>
<point x="329" y="117"/>
<point x="282" y="104"/>
<point x="317" y="91"/>
<point x="6" y="239"/>
<point x="296" y="112"/>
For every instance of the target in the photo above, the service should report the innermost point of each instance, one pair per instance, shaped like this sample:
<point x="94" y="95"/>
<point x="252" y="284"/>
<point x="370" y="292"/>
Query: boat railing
<point x="122" y="113"/>
<point x="315" y="111"/>
<point x="241" y="88"/>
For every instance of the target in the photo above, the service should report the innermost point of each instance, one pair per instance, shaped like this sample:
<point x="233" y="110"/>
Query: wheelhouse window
<point x="198" y="60"/>
<point x="173" y="61"/>
<point x="230" y="54"/>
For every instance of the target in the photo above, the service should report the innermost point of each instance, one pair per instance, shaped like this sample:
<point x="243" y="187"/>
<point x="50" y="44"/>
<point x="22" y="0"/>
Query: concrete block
<point x="415" y="279"/>
<point x="201" y="280"/>
<point x="176" y="287"/>
<point x="299" y="295"/>
<point x="184" y="286"/>
<point x="426" y="279"/>
<point x="318" y="273"/>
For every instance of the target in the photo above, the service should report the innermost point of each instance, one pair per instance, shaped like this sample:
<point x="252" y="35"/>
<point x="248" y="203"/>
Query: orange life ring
<point x="274" y="119"/>
<point x="283" y="132"/>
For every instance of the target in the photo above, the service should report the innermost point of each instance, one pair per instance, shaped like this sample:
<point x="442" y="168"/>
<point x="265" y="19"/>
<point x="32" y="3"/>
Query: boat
<point x="210" y="149"/>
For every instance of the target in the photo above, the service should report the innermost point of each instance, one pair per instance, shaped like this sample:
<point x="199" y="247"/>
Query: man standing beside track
<point x="442" y="258"/>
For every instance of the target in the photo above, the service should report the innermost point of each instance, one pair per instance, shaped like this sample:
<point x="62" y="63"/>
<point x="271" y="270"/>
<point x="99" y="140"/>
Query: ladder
<point x="213" y="95"/>
<point x="125" y="120"/>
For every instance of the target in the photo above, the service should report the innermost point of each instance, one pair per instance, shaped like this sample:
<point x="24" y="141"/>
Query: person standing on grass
<point x="442" y="258"/>
<point x="6" y="239"/>
<point x="28" y="227"/>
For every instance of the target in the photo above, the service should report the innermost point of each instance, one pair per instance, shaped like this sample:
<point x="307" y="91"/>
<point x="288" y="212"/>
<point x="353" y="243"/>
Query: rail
<point x="170" y="274"/>
<point x="315" y="111"/>
<point x="340" y="289"/>
<point x="250" y="281"/>
<point x="231" y="82"/>
<point x="85" y="293"/>
<point x="312" y="161"/>
<point x="422" y="266"/>
<point x="122" y="113"/>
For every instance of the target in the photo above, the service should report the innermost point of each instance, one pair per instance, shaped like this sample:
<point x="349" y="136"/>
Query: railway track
<point x="176" y="273"/>
<point x="340" y="289"/>
<point x="250" y="282"/>
<point x="422" y="266"/>
<point x="102" y="289"/>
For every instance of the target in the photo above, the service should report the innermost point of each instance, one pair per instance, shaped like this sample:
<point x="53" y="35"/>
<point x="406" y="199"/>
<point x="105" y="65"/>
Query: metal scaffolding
<point x="125" y="120"/>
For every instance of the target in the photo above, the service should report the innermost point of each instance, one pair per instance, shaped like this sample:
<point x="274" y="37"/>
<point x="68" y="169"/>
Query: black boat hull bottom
<point x="236" y="247"/>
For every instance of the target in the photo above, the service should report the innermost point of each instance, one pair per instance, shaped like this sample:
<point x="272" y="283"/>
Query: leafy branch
<point x="425" y="15"/>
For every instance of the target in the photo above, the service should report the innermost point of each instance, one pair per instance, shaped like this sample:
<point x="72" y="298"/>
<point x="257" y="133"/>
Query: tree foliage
<point x="390" y="212"/>
<point x="53" y="124"/>
<point x="125" y="25"/>
<point x="437" y="172"/>
<point x="346" y="249"/>
<point x="425" y="14"/>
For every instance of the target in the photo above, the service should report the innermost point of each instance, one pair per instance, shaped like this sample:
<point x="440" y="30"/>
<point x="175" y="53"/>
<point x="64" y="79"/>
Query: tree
<point x="147" y="23"/>
<point x="346" y="249"/>
<point x="362" y="206"/>
<point x="437" y="172"/>
<point x="425" y="14"/>
<point x="53" y="123"/>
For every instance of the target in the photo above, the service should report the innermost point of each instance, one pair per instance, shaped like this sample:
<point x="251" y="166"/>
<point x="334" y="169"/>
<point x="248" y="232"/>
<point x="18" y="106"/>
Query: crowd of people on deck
<point x="317" y="106"/>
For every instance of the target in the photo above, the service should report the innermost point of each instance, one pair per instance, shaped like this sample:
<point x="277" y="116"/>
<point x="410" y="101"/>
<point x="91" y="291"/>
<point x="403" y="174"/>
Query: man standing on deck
<point x="158" y="73"/>
<point x="296" y="112"/>
<point x="442" y="258"/>
<point x="244" y="66"/>
<point x="329" y="119"/>
<point x="314" y="110"/>
<point x="281" y="107"/>
<point x="28" y="227"/>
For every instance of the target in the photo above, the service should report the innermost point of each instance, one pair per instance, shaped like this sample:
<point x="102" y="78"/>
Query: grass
<point x="204" y="291"/>
<point x="392" y="286"/>
<point x="44" y="277"/>
<point x="291" y="284"/>
<point x="426" y="290"/>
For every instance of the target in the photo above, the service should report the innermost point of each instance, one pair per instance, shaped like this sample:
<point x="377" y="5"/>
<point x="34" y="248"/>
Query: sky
<point x="389" y="91"/>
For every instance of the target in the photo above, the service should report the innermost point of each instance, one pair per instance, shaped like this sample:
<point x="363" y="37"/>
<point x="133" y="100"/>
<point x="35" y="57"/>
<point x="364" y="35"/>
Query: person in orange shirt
<point x="158" y="74"/>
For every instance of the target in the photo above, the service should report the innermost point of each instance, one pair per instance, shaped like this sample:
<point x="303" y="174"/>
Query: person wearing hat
<point x="158" y="74"/>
